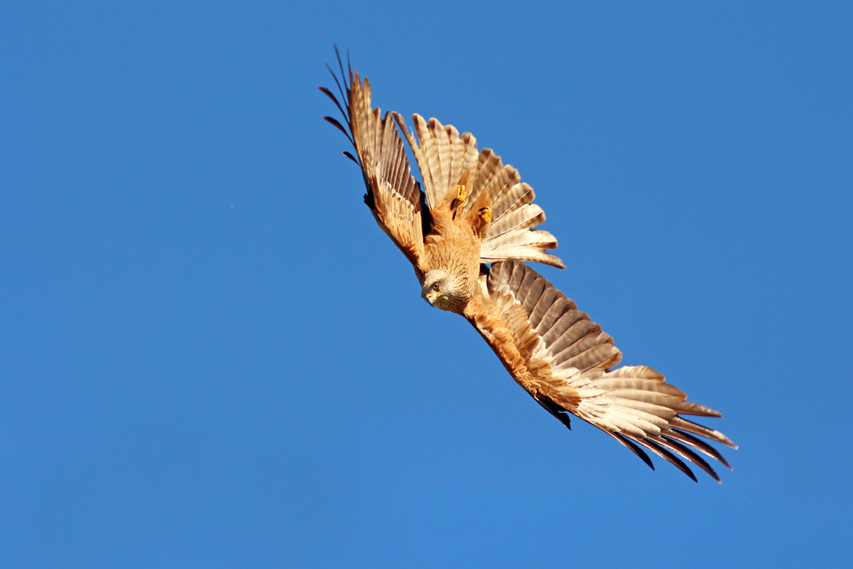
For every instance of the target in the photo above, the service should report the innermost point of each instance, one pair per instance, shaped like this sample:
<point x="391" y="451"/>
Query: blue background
<point x="210" y="356"/>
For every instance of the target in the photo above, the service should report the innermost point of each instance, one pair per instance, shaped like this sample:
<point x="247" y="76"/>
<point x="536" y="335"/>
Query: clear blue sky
<point x="210" y="356"/>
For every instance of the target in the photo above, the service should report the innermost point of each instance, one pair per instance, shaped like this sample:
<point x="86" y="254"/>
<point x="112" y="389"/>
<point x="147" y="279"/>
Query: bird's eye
<point x="435" y="287"/>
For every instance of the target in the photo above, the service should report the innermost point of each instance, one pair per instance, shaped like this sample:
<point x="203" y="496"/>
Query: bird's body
<point x="451" y="258"/>
<point x="468" y="235"/>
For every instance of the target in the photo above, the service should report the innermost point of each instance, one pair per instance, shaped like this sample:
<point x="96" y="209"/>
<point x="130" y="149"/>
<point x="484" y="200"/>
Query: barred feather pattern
<point x="633" y="404"/>
<point x="393" y="195"/>
<point x="443" y="155"/>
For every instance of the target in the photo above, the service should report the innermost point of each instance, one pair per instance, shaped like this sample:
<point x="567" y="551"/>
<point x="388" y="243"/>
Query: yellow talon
<point x="461" y="193"/>
<point x="486" y="214"/>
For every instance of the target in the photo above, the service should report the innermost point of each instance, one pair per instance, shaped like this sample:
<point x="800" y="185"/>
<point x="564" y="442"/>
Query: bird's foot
<point x="461" y="193"/>
<point x="485" y="214"/>
<point x="459" y="198"/>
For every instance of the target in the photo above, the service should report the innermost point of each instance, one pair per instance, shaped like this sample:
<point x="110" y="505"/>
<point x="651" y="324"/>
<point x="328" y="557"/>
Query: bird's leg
<point x="481" y="215"/>
<point x="460" y="192"/>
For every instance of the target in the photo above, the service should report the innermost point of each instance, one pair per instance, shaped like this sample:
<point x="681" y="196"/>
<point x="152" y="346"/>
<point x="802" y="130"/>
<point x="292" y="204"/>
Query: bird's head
<point x="443" y="290"/>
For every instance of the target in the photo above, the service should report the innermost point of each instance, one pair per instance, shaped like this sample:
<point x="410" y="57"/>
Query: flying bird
<point x="468" y="234"/>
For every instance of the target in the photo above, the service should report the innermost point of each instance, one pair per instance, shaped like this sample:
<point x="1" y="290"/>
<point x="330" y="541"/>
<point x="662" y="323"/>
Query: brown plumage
<point x="475" y="211"/>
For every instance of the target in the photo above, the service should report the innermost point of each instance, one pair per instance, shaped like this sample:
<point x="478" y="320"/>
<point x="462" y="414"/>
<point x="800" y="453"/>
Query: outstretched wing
<point x="393" y="195"/>
<point x="564" y="361"/>
<point x="444" y="155"/>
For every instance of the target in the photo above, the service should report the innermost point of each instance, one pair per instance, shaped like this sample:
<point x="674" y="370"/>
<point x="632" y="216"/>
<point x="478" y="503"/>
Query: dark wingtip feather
<point x="340" y="63"/>
<point x="683" y="424"/>
<point x="697" y="443"/>
<point x="666" y="455"/>
<point x="343" y="77"/>
<point x="339" y="126"/>
<point x="334" y="100"/>
<point x="691" y="456"/>
<point x="337" y="82"/>
<point x="558" y="412"/>
<point x="633" y="448"/>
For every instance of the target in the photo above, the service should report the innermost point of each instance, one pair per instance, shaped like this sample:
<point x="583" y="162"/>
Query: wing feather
<point x="393" y="195"/>
<point x="564" y="361"/>
<point x="443" y="155"/>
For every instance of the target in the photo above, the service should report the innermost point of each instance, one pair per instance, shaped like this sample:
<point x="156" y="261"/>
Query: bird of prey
<point x="468" y="235"/>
